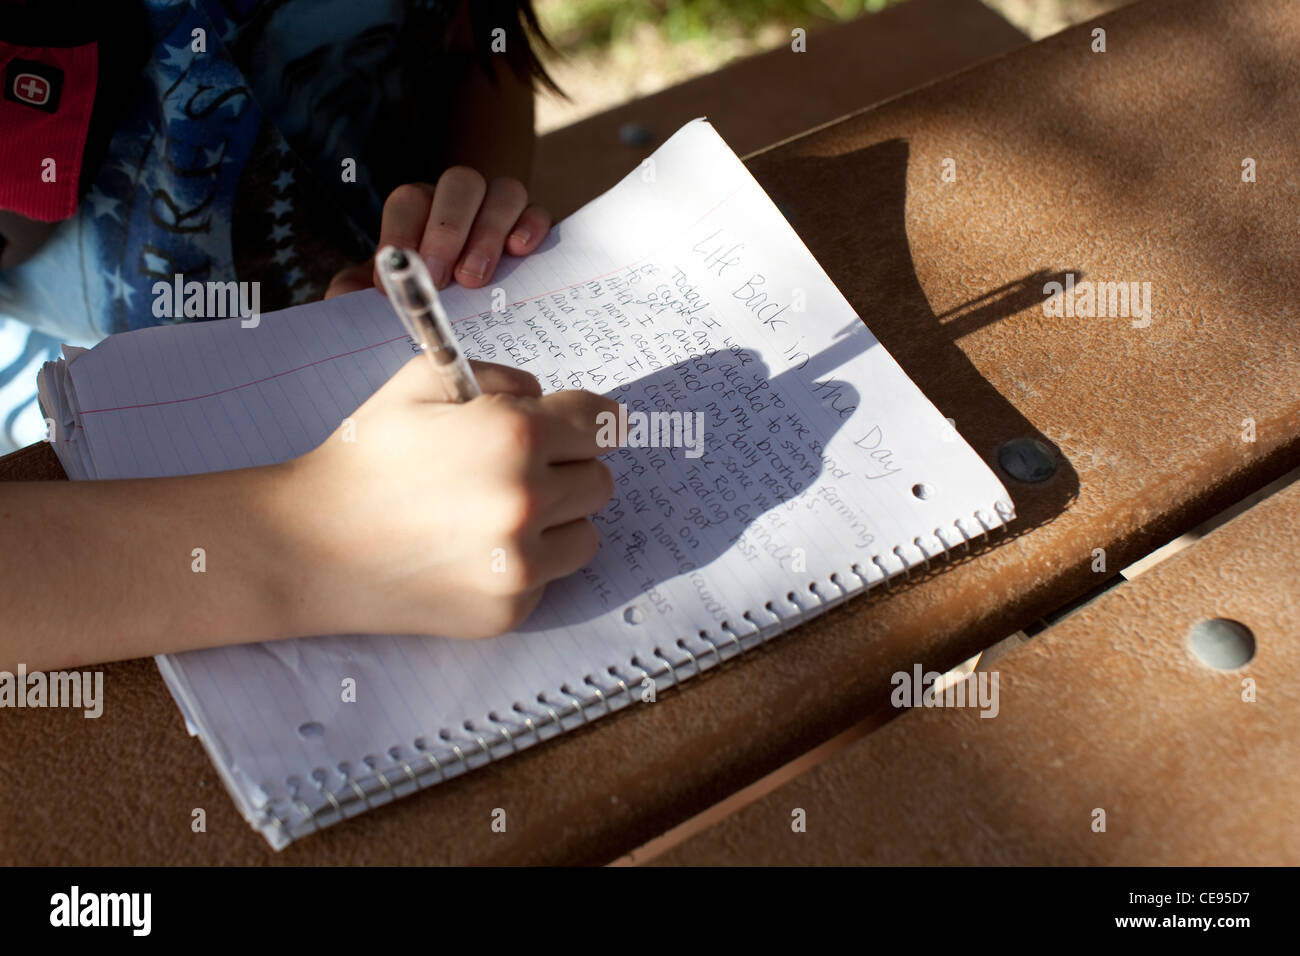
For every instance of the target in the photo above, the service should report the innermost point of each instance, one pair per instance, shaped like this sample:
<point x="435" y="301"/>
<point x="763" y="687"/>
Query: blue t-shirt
<point x="229" y="164"/>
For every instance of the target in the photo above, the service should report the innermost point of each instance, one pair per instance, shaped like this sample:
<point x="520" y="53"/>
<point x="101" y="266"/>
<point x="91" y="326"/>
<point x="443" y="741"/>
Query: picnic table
<point x="1130" y="734"/>
<point x="941" y="216"/>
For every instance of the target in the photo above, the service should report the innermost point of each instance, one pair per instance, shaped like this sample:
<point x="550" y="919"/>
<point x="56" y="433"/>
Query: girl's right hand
<point x="422" y="517"/>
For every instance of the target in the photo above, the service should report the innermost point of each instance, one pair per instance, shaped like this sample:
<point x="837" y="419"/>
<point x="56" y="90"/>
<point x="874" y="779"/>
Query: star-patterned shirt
<point x="229" y="164"/>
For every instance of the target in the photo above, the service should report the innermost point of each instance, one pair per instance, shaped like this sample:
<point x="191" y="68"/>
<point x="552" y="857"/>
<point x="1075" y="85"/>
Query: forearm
<point x="97" y="571"/>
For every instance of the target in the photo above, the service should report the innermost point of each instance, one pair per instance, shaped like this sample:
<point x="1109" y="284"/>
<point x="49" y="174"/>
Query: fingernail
<point x="476" y="265"/>
<point x="437" y="271"/>
<point x="521" y="236"/>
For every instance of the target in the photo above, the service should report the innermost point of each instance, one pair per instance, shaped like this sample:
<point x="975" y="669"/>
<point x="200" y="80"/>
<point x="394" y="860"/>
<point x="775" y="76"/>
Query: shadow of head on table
<point x="859" y="236"/>
<point x="851" y="211"/>
<point x="723" y="449"/>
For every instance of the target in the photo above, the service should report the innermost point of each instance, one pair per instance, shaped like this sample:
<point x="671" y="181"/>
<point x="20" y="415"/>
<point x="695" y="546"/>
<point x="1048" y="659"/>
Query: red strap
<point x="45" y="108"/>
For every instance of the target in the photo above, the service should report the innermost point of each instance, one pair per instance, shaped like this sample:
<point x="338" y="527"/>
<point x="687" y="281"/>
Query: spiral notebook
<point x="822" y="472"/>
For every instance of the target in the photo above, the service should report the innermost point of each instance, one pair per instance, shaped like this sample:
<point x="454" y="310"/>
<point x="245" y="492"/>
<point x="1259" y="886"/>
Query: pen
<point x="410" y="289"/>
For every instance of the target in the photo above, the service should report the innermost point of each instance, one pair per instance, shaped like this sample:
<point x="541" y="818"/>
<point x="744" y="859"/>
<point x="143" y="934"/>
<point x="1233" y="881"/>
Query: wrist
<point x="304" y="573"/>
<point x="284" y="572"/>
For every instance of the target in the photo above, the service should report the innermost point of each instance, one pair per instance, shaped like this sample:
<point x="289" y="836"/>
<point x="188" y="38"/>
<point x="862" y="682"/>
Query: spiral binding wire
<point x="484" y="743"/>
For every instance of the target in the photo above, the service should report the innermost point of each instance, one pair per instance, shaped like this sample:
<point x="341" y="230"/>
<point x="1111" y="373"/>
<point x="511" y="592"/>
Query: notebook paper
<point x="823" y="470"/>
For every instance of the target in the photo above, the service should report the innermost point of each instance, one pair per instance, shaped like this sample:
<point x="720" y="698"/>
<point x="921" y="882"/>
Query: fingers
<point x="529" y="231"/>
<point x="461" y="228"/>
<point x="352" y="279"/>
<point x="505" y="379"/>
<point x="499" y="213"/>
<point x="455" y="204"/>
<point x="576" y="490"/>
<point x="581" y="425"/>
<point x="520" y="609"/>
<point x="555" y="553"/>
<point x="406" y="211"/>
<point x="528" y="433"/>
<point x="565" y="548"/>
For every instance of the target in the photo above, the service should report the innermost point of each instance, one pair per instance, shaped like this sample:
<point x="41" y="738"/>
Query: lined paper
<point x="823" y="471"/>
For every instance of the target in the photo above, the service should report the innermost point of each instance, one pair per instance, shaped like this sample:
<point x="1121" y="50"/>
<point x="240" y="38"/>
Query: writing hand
<point x="448" y="519"/>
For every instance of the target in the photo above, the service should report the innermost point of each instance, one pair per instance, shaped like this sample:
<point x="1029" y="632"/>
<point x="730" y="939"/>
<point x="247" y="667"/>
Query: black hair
<point x="523" y="35"/>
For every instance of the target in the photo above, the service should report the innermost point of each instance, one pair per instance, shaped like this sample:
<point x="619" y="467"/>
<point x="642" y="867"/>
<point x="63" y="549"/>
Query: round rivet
<point x="1222" y="644"/>
<point x="635" y="134"/>
<point x="1027" y="460"/>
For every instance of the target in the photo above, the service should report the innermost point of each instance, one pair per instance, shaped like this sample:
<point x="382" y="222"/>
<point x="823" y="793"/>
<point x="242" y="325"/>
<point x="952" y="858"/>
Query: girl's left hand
<point x="460" y="227"/>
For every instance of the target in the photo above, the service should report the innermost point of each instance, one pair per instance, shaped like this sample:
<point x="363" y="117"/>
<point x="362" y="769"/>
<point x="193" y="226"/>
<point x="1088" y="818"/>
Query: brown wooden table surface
<point x="1109" y="710"/>
<point x="1116" y="166"/>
